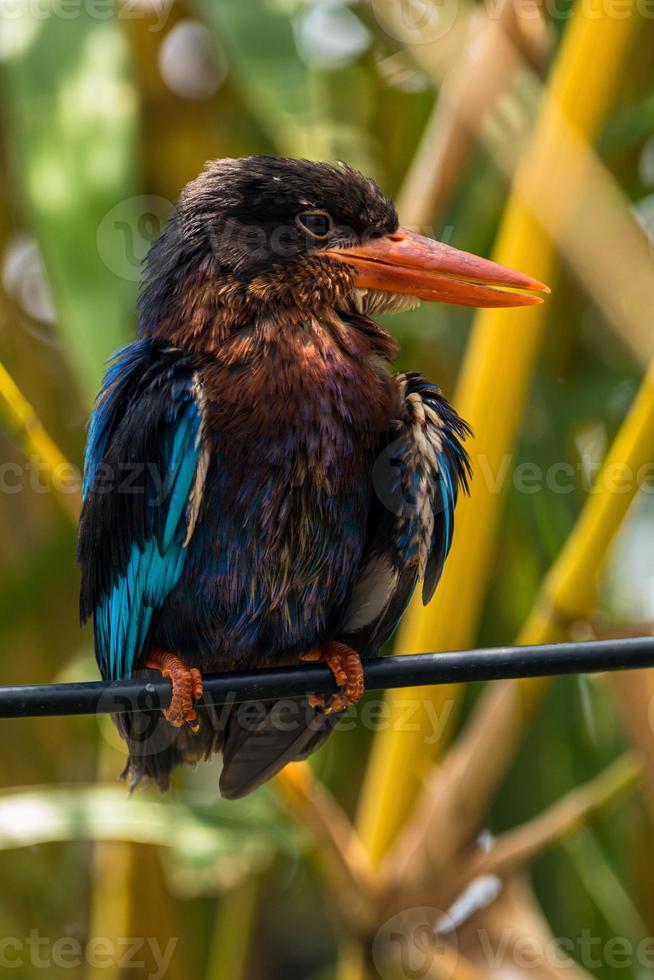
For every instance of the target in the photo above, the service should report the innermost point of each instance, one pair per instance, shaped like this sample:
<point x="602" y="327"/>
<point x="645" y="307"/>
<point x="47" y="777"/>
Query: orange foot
<point x="345" y="665"/>
<point x="187" y="688"/>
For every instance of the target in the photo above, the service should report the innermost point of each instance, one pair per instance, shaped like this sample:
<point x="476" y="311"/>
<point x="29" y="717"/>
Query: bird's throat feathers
<point x="222" y="319"/>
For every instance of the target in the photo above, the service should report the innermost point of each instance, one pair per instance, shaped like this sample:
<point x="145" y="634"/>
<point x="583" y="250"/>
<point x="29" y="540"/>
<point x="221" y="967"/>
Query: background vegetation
<point x="509" y="128"/>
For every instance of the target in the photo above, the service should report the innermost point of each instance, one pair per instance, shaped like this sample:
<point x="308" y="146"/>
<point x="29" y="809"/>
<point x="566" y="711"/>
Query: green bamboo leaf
<point x="272" y="78"/>
<point x="207" y="848"/>
<point x="304" y="110"/>
<point x="71" y="113"/>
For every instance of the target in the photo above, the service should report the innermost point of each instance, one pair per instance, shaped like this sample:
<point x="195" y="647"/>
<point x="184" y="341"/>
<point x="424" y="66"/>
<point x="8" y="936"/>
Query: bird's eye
<point x="317" y="223"/>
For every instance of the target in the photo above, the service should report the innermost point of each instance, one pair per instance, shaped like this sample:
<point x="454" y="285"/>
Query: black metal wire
<point x="150" y="691"/>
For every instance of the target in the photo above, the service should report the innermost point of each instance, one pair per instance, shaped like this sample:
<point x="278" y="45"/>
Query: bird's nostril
<point x="396" y="237"/>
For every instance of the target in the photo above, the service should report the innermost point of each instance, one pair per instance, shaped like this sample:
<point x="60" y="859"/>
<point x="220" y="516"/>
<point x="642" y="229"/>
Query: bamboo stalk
<point x="111" y="869"/>
<point x="111" y="864"/>
<point x="480" y="76"/>
<point x="522" y="844"/>
<point x="111" y="876"/>
<point x="479" y="761"/>
<point x="21" y="418"/>
<point x="229" y="955"/>
<point x="634" y="696"/>
<point x="580" y="206"/>
<point x="491" y="394"/>
<point x="345" y="860"/>
<point x="570" y="588"/>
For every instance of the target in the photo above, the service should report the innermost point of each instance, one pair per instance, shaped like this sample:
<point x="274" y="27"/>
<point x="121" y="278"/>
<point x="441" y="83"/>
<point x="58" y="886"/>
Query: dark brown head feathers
<point x="237" y="243"/>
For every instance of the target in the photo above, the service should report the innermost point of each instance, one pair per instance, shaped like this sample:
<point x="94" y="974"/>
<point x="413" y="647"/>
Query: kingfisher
<point x="259" y="488"/>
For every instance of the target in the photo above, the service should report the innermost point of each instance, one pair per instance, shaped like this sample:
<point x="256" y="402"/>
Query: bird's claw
<point x="327" y="704"/>
<point x="345" y="665"/>
<point x="187" y="689"/>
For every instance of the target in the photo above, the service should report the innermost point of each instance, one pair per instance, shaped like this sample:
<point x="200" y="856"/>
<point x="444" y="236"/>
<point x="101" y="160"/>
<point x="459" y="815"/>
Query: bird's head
<point x="269" y="232"/>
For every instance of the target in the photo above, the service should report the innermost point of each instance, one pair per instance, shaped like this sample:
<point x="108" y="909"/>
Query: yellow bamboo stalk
<point x="568" y="593"/>
<point x="21" y="418"/>
<point x="479" y="76"/>
<point x="111" y="864"/>
<point x="570" y="588"/>
<point x="111" y="873"/>
<point x="491" y="394"/>
<point x="111" y="879"/>
<point x="232" y="932"/>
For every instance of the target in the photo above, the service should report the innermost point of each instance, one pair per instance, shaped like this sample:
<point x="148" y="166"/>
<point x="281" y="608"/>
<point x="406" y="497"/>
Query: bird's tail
<point x="155" y="748"/>
<point x="260" y="739"/>
<point x="257" y="740"/>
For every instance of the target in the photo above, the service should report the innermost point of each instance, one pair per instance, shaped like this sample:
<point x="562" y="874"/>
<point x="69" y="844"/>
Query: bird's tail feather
<point x="257" y="741"/>
<point x="156" y="748"/>
<point x="260" y="739"/>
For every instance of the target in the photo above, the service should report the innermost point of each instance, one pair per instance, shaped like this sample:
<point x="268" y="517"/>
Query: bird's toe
<point x="345" y="665"/>
<point x="187" y="688"/>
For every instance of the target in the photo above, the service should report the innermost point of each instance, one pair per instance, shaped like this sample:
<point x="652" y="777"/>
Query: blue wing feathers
<point x="448" y="495"/>
<point x="184" y="459"/>
<point x="453" y="476"/>
<point x="145" y="431"/>
<point x="125" y="363"/>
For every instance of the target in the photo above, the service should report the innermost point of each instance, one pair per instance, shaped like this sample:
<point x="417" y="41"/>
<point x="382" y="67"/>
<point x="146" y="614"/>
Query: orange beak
<point x="405" y="262"/>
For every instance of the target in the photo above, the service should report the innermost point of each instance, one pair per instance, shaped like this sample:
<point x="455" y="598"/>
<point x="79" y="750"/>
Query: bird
<point x="259" y="488"/>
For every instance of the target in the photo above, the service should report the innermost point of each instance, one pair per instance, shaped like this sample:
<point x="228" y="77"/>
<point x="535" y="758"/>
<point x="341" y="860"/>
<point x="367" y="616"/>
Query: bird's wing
<point x="417" y="476"/>
<point x="143" y="482"/>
